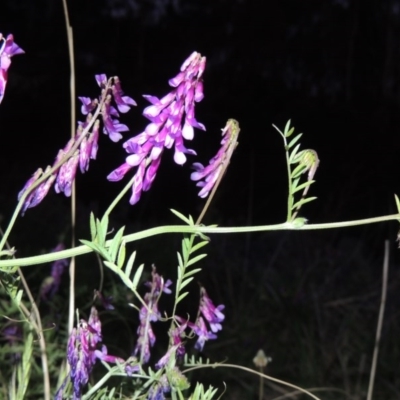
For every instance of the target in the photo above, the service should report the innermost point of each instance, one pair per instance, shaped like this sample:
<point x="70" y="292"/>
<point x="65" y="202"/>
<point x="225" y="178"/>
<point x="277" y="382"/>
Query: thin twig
<point x="70" y="38"/>
<point x="385" y="274"/>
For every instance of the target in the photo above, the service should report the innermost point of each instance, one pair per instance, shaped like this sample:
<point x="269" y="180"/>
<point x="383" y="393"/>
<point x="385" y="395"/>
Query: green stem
<point x="114" y="371"/>
<point x="289" y="173"/>
<point x="119" y="197"/>
<point x="23" y="262"/>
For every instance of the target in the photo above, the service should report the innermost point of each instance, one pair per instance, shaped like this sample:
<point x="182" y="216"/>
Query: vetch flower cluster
<point x="51" y="284"/>
<point x="84" y="145"/>
<point x="208" y="176"/>
<point x="208" y="321"/>
<point x="83" y="351"/>
<point x="150" y="313"/>
<point x="172" y="120"/>
<point x="7" y="49"/>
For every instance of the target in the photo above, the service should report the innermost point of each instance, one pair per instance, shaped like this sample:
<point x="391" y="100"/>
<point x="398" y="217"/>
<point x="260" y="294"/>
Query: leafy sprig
<point x="298" y="162"/>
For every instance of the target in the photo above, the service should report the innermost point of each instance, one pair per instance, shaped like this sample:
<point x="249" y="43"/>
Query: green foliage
<point x="298" y="163"/>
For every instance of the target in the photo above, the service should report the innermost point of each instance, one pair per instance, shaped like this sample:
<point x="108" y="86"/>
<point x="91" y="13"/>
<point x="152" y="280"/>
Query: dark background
<point x="331" y="66"/>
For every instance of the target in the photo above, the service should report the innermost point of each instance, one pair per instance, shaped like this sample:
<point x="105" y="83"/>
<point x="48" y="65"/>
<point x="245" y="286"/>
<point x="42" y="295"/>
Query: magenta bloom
<point x="7" y="49"/>
<point x="85" y="142"/>
<point x="207" y="323"/>
<point x="83" y="350"/>
<point x="207" y="176"/>
<point x="172" y="120"/>
<point x="146" y="337"/>
<point x="212" y="314"/>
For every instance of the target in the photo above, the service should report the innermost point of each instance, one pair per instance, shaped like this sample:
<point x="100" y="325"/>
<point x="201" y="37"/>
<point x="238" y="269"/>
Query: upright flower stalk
<point x="148" y="314"/>
<point x="172" y="120"/>
<point x="8" y="49"/>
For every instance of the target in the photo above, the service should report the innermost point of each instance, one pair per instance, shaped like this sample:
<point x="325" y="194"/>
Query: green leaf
<point x="185" y="282"/>
<point x="397" y="203"/>
<point x="293" y="154"/>
<point x="110" y="265"/>
<point x="180" y="261"/>
<point x="181" y="297"/>
<point x="198" y="246"/>
<point x="121" y="255"/>
<point x="129" y="264"/>
<point x="92" y="227"/>
<point x="287" y="127"/>
<point x="186" y="245"/>
<point x="299" y="222"/>
<point x="192" y="272"/>
<point x="294" y="140"/>
<point x="294" y="184"/>
<point x="136" y="278"/>
<point x="18" y="297"/>
<point x="300" y="169"/>
<point x="302" y="202"/>
<point x="97" y="248"/>
<point x="302" y="186"/>
<point x="114" y="246"/>
<point x="102" y="229"/>
<point x="196" y="259"/>
<point x="24" y="369"/>
<point x="181" y="216"/>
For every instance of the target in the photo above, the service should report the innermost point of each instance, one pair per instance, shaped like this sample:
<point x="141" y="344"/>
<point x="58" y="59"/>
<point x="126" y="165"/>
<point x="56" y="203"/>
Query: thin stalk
<point x="385" y="274"/>
<point x="119" y="197"/>
<point x="72" y="265"/>
<point x="289" y="173"/>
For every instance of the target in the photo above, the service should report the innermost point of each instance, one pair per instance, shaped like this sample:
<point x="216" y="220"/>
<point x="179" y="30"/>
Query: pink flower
<point x="7" y="49"/>
<point x="172" y="121"/>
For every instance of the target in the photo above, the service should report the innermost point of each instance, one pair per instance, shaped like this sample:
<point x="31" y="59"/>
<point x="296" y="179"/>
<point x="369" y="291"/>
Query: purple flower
<point x="83" y="352"/>
<point x="171" y="121"/>
<point x="12" y="333"/>
<point x="84" y="146"/>
<point x="66" y="175"/>
<point x="163" y="361"/>
<point x="123" y="102"/>
<point x="7" y="49"/>
<point x="157" y="391"/>
<point x="150" y="313"/>
<point x="88" y="105"/>
<point x="207" y="323"/>
<point x="207" y="176"/>
<point x="212" y="314"/>
<point x="51" y="284"/>
<point x="201" y="330"/>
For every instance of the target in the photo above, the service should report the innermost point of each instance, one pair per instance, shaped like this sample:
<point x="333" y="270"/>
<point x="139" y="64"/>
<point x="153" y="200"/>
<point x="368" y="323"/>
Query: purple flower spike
<point x="207" y="176"/>
<point x="150" y="313"/>
<point x="83" y="352"/>
<point x="8" y="49"/>
<point x="171" y="121"/>
<point x="84" y="145"/>
<point x="207" y="323"/>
